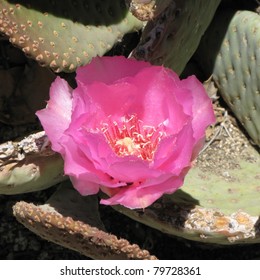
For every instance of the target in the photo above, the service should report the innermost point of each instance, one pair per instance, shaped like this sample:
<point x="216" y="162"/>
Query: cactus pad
<point x="29" y="165"/>
<point x="173" y="36"/>
<point x="230" y="50"/>
<point x="73" y="221"/>
<point x="65" y="34"/>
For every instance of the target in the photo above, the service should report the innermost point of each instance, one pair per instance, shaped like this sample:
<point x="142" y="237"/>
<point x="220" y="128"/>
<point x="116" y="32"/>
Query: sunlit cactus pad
<point x="220" y="200"/>
<point x="66" y="34"/>
<point x="29" y="165"/>
<point x="230" y="50"/>
<point x="73" y="221"/>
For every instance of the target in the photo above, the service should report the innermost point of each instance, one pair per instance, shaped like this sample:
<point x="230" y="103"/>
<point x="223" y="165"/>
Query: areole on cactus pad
<point x="129" y="128"/>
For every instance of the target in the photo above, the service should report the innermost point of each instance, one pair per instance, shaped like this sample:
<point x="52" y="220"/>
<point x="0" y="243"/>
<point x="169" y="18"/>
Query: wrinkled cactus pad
<point x="171" y="38"/>
<point x="29" y="165"/>
<point x="230" y="50"/>
<point x="66" y="34"/>
<point x="73" y="221"/>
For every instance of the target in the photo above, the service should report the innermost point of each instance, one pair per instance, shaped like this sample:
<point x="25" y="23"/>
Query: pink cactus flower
<point x="129" y="128"/>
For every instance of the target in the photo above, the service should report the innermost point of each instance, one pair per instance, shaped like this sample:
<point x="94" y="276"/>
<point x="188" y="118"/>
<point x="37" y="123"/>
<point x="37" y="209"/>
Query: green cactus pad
<point x="29" y="165"/>
<point x="65" y="34"/>
<point x="173" y="36"/>
<point x="230" y="50"/>
<point x="209" y="210"/>
<point x="220" y="200"/>
<point x="73" y="221"/>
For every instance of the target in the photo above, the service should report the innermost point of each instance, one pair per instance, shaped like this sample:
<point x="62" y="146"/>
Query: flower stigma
<point x="131" y="137"/>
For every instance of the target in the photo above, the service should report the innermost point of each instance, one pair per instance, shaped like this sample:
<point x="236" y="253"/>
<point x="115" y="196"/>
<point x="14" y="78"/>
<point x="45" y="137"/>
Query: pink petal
<point x="79" y="163"/>
<point x="108" y="69"/>
<point x="94" y="147"/>
<point x="122" y="98"/>
<point x="130" y="169"/>
<point x="172" y="154"/>
<point x="202" y="111"/>
<point x="83" y="185"/>
<point x="134" y="197"/>
<point x="85" y="110"/>
<point x="55" y="119"/>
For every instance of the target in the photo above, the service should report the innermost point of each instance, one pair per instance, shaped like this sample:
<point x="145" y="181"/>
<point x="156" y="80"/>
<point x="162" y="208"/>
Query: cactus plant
<point x="172" y="37"/>
<point x="230" y="50"/>
<point x="90" y="28"/>
<point x="73" y="221"/>
<point x="219" y="202"/>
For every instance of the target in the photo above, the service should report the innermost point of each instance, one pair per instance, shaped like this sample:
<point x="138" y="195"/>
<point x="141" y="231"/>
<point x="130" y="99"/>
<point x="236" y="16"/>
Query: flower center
<point x="131" y="137"/>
